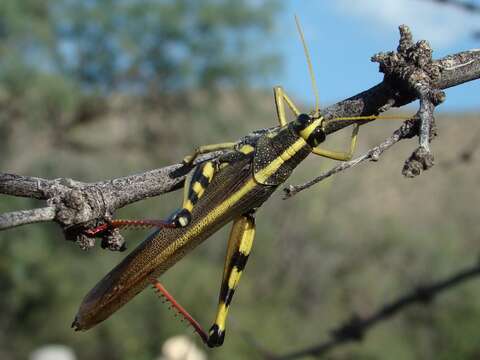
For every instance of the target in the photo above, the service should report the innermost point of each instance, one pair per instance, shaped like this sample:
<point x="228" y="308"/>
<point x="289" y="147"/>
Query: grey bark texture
<point x="410" y="73"/>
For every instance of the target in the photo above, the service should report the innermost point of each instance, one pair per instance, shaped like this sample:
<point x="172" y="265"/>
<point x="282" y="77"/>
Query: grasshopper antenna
<point x="310" y="67"/>
<point x="315" y="88"/>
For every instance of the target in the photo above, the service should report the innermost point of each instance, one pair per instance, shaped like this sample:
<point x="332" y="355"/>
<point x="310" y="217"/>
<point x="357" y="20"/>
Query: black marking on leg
<point x="215" y="336"/>
<point x="193" y="197"/>
<point x="239" y="260"/>
<point x="181" y="218"/>
<point x="203" y="180"/>
<point x="226" y="295"/>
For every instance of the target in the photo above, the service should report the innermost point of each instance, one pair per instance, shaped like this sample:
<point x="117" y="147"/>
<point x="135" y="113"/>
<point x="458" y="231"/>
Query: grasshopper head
<point x="310" y="128"/>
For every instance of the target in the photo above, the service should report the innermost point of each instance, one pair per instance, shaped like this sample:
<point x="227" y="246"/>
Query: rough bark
<point x="410" y="73"/>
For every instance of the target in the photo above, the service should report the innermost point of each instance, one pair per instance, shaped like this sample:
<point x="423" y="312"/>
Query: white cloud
<point x="442" y="25"/>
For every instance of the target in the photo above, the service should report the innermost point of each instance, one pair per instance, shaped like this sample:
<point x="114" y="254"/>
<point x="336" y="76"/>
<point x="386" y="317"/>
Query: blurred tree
<point x="137" y="46"/>
<point x="60" y="63"/>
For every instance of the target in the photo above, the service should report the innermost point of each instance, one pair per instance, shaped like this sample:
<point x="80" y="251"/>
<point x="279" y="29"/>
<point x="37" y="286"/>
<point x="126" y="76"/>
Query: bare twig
<point x="80" y="206"/>
<point x="77" y="205"/>
<point x="17" y="218"/>
<point x="411" y="67"/>
<point x="356" y="327"/>
<point x="24" y="186"/>
<point x="407" y="130"/>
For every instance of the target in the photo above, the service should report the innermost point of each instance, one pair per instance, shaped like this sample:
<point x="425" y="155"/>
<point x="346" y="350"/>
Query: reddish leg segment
<point x="120" y="223"/>
<point x="198" y="328"/>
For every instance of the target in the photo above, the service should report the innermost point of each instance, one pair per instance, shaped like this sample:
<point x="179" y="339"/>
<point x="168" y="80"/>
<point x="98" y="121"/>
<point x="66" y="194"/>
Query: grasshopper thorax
<point x="310" y="128"/>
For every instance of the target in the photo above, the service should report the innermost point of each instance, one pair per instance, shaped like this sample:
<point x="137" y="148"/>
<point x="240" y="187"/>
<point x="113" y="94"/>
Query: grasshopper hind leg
<point x="238" y="249"/>
<point x="239" y="246"/>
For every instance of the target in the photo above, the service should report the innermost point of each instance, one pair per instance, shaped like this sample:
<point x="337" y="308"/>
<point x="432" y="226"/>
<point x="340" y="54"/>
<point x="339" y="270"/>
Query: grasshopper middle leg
<point x="195" y="185"/>
<point x="238" y="250"/>
<point x="204" y="149"/>
<point x="194" y="188"/>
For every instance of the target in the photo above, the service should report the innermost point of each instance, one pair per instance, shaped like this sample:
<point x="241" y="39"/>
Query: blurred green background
<point x="99" y="89"/>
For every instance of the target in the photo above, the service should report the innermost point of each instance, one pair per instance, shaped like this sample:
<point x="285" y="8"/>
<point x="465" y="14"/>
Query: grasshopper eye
<point x="316" y="137"/>
<point x="309" y="129"/>
<point x="303" y="120"/>
<point x="301" y="123"/>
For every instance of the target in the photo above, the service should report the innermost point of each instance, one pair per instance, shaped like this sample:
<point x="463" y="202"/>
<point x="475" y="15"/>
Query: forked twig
<point x="407" y="130"/>
<point x="23" y="217"/>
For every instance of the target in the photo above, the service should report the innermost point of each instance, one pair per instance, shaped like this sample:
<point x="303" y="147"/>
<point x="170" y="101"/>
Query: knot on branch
<point x="410" y="65"/>
<point x="113" y="240"/>
<point x="421" y="159"/>
<point x="79" y="207"/>
<point x="412" y="69"/>
<point x="408" y="130"/>
<point x="83" y="241"/>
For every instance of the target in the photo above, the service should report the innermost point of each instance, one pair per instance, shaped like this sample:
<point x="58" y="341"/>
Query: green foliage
<point x="148" y="46"/>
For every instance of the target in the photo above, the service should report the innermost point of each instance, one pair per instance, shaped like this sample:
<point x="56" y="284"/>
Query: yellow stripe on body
<point x="217" y="212"/>
<point x="208" y="219"/>
<point x="271" y="168"/>
<point x="305" y="133"/>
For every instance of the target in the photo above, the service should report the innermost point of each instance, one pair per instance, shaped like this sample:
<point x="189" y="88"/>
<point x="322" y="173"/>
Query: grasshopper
<point x="229" y="188"/>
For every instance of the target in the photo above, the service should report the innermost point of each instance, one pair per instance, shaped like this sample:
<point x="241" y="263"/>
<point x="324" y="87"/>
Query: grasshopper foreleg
<point x="280" y="96"/>
<point x="195" y="186"/>
<point x="204" y="149"/>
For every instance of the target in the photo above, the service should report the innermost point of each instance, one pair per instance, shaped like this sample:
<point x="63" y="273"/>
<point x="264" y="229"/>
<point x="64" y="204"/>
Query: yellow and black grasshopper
<point x="229" y="188"/>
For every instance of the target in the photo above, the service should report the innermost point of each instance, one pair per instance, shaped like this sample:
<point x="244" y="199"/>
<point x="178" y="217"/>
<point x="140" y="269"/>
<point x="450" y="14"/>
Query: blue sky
<point x="342" y="35"/>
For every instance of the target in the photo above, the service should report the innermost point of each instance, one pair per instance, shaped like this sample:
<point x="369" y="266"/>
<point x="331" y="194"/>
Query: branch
<point x="78" y="206"/>
<point x="407" y="130"/>
<point x="355" y="329"/>
<point x="24" y="186"/>
<point x="23" y="217"/>
<point x="409" y="74"/>
<point x="414" y="74"/>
